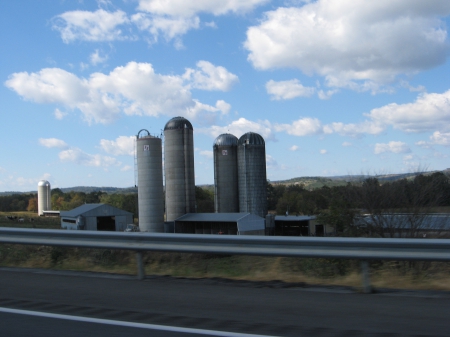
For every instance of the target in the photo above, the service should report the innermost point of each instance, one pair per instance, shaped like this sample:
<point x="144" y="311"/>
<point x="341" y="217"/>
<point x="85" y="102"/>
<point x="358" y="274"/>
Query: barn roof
<point x="94" y="209"/>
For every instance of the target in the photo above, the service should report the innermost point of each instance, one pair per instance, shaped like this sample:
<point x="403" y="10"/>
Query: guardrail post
<point x="140" y="266"/>
<point x="366" y="287"/>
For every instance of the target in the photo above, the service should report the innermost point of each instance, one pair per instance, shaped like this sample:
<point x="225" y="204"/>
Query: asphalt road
<point x="270" y="308"/>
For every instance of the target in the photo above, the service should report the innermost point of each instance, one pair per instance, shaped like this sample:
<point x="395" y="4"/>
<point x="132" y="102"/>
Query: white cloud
<point x="440" y="138"/>
<point x="123" y="145"/>
<point x="294" y="148"/>
<point x="182" y="8"/>
<point x="394" y="147"/>
<point x="133" y="89"/>
<point x="288" y="89"/>
<point x="96" y="58"/>
<point x="169" y="27"/>
<point x="352" y="43"/>
<point x="430" y="111"/>
<point x="53" y="142"/>
<point x="207" y="154"/>
<point x="240" y="127"/>
<point x="210" y="77"/>
<point x="303" y="127"/>
<point x="79" y="157"/>
<point x="173" y="18"/>
<point x="323" y="151"/>
<point x="59" y="114"/>
<point x="90" y="26"/>
<point x="271" y="162"/>
<point x="346" y="144"/>
<point x="223" y="106"/>
<point x="126" y="168"/>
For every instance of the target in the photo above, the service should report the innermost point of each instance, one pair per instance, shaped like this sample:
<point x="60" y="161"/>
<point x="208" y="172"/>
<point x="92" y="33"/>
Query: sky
<point x="335" y="87"/>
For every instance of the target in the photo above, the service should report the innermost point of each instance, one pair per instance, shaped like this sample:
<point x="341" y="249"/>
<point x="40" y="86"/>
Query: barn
<point x="220" y="223"/>
<point x="96" y="217"/>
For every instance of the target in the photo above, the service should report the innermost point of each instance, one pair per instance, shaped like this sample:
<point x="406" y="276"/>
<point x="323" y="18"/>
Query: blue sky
<point x="334" y="87"/>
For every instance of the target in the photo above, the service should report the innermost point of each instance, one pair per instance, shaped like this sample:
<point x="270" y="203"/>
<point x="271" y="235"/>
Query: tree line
<point x="368" y="203"/>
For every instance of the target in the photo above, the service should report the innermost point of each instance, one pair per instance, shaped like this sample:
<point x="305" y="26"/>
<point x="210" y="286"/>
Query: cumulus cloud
<point x="294" y="148"/>
<point x="97" y="58"/>
<point x="169" y="27"/>
<point x="210" y="77"/>
<point x="429" y="112"/>
<point x="288" y="89"/>
<point x="302" y="127"/>
<point x="441" y="138"/>
<point x="59" y="114"/>
<point x="79" y="157"/>
<point x="241" y="126"/>
<point x="123" y="145"/>
<point x="181" y="8"/>
<point x="323" y="151"/>
<point x="352" y="43"/>
<point x="207" y="154"/>
<point x="394" y="147"/>
<point x="133" y="89"/>
<point x="95" y="26"/>
<point x="53" y="142"/>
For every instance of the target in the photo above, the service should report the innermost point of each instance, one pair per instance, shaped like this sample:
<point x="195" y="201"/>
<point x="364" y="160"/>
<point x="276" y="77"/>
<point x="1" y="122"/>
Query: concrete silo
<point x="179" y="168"/>
<point x="226" y="193"/>
<point x="44" y="197"/>
<point x="252" y="178"/>
<point x="150" y="182"/>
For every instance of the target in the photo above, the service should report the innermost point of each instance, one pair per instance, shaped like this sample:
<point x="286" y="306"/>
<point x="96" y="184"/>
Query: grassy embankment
<point x="404" y="275"/>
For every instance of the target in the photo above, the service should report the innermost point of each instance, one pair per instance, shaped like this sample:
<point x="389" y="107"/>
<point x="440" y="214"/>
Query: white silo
<point x="179" y="168"/>
<point x="226" y="193"/>
<point x="150" y="182"/>
<point x="44" y="197"/>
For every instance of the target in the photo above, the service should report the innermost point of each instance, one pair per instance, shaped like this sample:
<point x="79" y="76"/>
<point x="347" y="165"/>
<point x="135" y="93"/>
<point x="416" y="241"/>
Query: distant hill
<point x="308" y="182"/>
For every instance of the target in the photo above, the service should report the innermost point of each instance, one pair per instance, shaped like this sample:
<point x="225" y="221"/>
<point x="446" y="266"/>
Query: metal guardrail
<point x="363" y="249"/>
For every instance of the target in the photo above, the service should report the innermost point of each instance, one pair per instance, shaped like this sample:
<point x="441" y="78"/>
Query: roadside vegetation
<point x="341" y="206"/>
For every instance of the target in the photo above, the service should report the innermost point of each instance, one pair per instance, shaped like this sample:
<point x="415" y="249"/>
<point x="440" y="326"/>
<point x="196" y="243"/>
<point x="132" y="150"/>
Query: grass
<point x="31" y="220"/>
<point x="396" y="275"/>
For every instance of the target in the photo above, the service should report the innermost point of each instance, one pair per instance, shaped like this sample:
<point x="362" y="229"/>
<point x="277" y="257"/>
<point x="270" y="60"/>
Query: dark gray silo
<point x="252" y="178"/>
<point x="226" y="193"/>
<point x="150" y="182"/>
<point x="179" y="168"/>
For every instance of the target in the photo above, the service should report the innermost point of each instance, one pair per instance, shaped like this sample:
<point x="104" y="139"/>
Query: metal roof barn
<point x="220" y="223"/>
<point x="96" y="217"/>
<point x="226" y="192"/>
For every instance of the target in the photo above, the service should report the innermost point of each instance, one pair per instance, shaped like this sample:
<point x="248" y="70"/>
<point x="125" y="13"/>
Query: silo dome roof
<point x="226" y="139"/>
<point x="251" y="138"/>
<point x="43" y="183"/>
<point x="178" y="123"/>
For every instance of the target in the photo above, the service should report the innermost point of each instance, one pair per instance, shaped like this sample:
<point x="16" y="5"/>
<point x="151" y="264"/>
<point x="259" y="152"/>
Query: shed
<point x="301" y="225"/>
<point x="220" y="223"/>
<point x="96" y="217"/>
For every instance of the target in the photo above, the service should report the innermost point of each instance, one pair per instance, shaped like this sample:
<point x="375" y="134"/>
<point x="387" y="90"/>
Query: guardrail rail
<point x="363" y="249"/>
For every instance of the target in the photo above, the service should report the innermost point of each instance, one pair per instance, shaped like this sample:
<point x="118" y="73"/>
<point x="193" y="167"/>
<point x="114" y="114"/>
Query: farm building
<point x="220" y="223"/>
<point x="96" y="217"/>
<point x="301" y="225"/>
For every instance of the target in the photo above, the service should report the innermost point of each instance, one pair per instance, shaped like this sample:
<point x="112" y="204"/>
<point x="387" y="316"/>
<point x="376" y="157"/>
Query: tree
<point x="32" y="205"/>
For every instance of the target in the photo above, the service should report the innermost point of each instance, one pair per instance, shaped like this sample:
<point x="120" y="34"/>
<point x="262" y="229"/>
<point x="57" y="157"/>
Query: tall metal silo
<point x="179" y="168"/>
<point x="44" y="197"/>
<point x="150" y="182"/>
<point x="226" y="192"/>
<point x="252" y="178"/>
